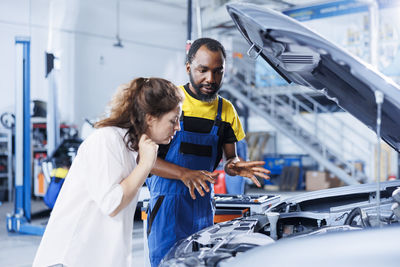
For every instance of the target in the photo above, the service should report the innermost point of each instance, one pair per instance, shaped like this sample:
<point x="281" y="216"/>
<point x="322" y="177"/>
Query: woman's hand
<point x="147" y="152"/>
<point x="132" y="184"/>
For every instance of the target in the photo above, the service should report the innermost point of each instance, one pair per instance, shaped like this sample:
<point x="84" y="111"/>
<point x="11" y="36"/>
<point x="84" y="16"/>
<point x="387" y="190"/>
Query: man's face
<point x="206" y="73"/>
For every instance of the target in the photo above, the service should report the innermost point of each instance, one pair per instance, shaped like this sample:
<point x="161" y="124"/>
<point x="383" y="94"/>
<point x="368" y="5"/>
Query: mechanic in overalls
<point x="180" y="190"/>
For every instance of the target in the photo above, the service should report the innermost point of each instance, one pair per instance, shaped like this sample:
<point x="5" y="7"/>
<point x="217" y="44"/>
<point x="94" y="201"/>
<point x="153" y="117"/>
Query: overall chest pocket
<point x="196" y="149"/>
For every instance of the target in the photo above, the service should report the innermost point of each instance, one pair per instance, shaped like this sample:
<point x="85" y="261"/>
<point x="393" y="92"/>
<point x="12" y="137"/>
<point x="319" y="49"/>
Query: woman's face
<point x="161" y="130"/>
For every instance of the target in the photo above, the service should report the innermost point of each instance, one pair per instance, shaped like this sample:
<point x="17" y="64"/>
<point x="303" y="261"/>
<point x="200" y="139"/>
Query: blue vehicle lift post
<point x="20" y="220"/>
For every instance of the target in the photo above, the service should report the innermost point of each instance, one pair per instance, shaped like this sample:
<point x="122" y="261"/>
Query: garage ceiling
<point x="278" y="4"/>
<point x="214" y="14"/>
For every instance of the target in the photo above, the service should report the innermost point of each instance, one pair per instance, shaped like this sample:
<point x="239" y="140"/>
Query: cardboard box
<point x="316" y="180"/>
<point x="334" y="181"/>
<point x="359" y="166"/>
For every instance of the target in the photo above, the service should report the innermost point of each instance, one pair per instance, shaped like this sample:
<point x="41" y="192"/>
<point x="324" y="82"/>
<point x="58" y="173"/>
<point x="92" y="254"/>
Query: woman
<point x="92" y="220"/>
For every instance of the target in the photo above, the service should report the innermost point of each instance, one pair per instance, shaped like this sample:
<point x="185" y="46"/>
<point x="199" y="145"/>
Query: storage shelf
<point x="40" y="150"/>
<point x="5" y="141"/>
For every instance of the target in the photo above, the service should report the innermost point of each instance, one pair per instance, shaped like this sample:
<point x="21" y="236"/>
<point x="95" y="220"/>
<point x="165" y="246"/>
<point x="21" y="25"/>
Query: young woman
<point x="92" y="220"/>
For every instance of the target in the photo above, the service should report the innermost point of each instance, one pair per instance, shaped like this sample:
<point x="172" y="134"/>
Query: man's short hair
<point x="211" y="44"/>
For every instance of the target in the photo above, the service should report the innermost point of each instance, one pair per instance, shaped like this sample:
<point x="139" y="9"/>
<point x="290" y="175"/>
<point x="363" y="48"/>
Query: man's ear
<point x="187" y="67"/>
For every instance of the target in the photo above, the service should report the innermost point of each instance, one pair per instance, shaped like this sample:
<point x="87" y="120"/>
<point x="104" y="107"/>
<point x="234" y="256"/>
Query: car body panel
<point x="367" y="248"/>
<point x="304" y="57"/>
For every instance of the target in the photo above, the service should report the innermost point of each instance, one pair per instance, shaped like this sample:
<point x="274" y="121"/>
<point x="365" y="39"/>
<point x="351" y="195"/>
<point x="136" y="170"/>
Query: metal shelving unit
<point x="6" y="168"/>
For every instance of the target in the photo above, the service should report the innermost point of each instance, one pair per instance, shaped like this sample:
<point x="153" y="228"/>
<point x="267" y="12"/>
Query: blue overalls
<point x="173" y="214"/>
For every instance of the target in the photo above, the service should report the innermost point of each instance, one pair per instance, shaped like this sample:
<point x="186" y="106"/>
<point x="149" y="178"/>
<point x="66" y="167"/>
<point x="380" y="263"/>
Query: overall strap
<point x="218" y="120"/>
<point x="219" y="112"/>
<point x="181" y="121"/>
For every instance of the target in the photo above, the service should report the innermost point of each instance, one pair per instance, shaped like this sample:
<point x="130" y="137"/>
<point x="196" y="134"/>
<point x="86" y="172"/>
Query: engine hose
<point x="353" y="214"/>
<point x="390" y="218"/>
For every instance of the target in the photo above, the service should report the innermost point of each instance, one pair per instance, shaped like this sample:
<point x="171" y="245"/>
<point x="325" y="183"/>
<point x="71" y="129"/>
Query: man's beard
<point x="204" y="97"/>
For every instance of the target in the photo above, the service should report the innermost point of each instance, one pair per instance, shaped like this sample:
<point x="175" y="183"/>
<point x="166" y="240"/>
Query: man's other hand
<point x="195" y="179"/>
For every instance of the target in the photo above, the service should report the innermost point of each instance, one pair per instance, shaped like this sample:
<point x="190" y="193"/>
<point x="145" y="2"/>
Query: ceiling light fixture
<point x="118" y="43"/>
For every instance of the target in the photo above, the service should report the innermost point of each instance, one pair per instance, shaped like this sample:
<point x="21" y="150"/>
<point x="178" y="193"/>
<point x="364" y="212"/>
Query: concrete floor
<point x="18" y="250"/>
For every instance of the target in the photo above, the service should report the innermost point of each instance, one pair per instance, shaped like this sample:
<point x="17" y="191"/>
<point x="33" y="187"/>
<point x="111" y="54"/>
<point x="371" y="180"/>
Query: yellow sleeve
<point x="231" y="116"/>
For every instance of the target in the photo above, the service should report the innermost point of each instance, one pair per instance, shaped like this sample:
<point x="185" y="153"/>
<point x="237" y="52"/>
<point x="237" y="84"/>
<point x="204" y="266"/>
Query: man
<point x="210" y="126"/>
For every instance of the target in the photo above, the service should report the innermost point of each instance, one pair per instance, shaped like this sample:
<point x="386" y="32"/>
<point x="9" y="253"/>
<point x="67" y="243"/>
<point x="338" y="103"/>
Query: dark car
<point x="355" y="225"/>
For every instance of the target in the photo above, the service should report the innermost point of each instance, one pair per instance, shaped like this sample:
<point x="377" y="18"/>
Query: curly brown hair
<point x="131" y="103"/>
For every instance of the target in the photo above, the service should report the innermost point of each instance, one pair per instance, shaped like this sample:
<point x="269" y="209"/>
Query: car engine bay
<point x="351" y="208"/>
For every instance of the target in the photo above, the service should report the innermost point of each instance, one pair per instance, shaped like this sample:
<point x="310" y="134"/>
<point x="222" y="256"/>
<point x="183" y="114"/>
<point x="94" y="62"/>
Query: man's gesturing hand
<point x="247" y="169"/>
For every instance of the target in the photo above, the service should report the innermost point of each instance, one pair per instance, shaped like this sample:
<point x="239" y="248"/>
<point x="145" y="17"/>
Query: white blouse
<point x="80" y="231"/>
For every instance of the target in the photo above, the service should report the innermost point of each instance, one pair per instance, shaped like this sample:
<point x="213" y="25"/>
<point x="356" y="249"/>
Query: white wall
<point x="14" y="21"/>
<point x="83" y="33"/>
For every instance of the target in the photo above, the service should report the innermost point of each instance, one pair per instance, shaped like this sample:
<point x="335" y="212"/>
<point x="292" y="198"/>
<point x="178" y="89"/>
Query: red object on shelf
<point x="39" y="155"/>
<point x="220" y="185"/>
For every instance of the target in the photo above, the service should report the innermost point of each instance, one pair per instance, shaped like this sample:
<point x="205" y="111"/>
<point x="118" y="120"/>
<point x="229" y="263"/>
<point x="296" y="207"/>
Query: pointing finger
<point x="262" y="175"/>
<point x="208" y="176"/>
<point x="191" y="191"/>
<point x="250" y="163"/>
<point x="204" y="185"/>
<point x="254" y="179"/>
<point x="198" y="188"/>
<point x="214" y="175"/>
<point x="260" y="169"/>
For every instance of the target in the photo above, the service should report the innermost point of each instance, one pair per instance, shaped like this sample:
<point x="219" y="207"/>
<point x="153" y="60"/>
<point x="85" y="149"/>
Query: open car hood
<point x="304" y="57"/>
